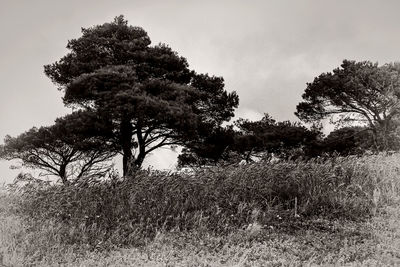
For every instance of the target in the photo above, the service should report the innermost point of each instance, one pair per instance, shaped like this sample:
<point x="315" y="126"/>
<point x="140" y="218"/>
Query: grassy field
<point x="341" y="211"/>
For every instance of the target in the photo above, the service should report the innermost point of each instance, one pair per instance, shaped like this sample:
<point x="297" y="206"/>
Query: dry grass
<point x="231" y="216"/>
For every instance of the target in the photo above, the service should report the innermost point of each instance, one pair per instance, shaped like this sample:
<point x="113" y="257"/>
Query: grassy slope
<point x="372" y="243"/>
<point x="375" y="242"/>
<point x="303" y="241"/>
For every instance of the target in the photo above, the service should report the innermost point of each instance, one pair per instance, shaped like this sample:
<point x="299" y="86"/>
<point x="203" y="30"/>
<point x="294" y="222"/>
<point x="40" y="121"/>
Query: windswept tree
<point x="151" y="96"/>
<point x="266" y="136"/>
<point x="65" y="149"/>
<point x="362" y="93"/>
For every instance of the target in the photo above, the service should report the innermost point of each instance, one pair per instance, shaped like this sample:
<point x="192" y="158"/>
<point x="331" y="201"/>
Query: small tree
<point x="148" y="92"/>
<point x="209" y="149"/>
<point x="349" y="141"/>
<point x="358" y="92"/>
<point x="64" y="149"/>
<point x="266" y="136"/>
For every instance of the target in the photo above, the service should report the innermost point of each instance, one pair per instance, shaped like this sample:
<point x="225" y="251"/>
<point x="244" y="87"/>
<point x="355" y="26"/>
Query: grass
<point x="347" y="212"/>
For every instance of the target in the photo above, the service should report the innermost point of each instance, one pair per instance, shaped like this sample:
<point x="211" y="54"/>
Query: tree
<point x="251" y="139"/>
<point x="257" y="138"/>
<point x="149" y="92"/>
<point x="360" y="92"/>
<point x="349" y="141"/>
<point x="65" y="149"/>
<point x="210" y="149"/>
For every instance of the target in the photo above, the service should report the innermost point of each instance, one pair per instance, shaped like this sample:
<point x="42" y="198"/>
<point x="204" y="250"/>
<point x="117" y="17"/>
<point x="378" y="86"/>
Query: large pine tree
<point x="151" y="96"/>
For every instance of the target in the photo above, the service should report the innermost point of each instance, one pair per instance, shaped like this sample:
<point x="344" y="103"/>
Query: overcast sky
<point x="266" y="50"/>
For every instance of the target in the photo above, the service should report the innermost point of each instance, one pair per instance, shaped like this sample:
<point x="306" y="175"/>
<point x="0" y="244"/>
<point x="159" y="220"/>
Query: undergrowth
<point x="218" y="200"/>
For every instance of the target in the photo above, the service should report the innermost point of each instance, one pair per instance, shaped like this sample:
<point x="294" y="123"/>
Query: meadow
<point x="325" y="211"/>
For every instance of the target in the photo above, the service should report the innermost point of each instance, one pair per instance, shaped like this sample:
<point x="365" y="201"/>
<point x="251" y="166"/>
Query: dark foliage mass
<point x="255" y="138"/>
<point x="349" y="141"/>
<point x="211" y="149"/>
<point x="252" y="140"/>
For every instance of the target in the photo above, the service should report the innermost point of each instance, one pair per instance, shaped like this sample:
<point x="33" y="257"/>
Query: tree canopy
<point x="256" y="138"/>
<point x="248" y="140"/>
<point x="210" y="149"/>
<point x="65" y="149"/>
<point x="151" y="96"/>
<point x="345" y="141"/>
<point x="360" y="92"/>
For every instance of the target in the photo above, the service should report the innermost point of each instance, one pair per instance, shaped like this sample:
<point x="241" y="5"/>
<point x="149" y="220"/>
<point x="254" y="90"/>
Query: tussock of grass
<point x="225" y="202"/>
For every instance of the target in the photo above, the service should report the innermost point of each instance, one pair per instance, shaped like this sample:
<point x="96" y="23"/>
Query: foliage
<point x="256" y="138"/>
<point x="152" y="97"/>
<point x="65" y="149"/>
<point x="349" y="141"/>
<point x="250" y="140"/>
<point x="210" y="149"/>
<point x="360" y="92"/>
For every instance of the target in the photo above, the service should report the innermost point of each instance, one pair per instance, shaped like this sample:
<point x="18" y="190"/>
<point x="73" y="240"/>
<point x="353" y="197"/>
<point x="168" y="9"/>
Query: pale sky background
<point x="266" y="50"/>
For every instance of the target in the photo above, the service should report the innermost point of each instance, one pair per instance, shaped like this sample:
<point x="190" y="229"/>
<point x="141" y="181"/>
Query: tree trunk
<point x="139" y="161"/>
<point x="142" y="147"/>
<point x="248" y="156"/>
<point x="126" y="159"/>
<point x="384" y="134"/>
<point x="126" y="130"/>
<point x="62" y="174"/>
<point x="375" y="138"/>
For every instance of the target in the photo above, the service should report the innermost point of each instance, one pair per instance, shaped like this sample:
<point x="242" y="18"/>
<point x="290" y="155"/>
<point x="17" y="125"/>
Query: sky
<point x="266" y="50"/>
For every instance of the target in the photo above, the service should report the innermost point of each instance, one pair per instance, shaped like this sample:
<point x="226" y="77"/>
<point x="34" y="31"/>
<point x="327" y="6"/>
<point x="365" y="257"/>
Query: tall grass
<point x="217" y="200"/>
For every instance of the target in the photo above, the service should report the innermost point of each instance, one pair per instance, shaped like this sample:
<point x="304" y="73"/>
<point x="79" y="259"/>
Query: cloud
<point x="246" y="113"/>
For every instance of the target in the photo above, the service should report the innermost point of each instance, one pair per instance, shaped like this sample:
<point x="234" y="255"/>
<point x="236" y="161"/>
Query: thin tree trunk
<point x="142" y="147"/>
<point x="139" y="161"/>
<point x="375" y="138"/>
<point x="383" y="129"/>
<point x="62" y="174"/>
<point x="386" y="136"/>
<point x="126" y="159"/>
<point x="126" y="130"/>
<point x="248" y="156"/>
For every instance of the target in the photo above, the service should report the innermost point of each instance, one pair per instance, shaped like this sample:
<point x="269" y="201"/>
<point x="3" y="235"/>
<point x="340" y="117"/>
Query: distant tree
<point x="148" y="92"/>
<point x="349" y="141"/>
<point x="258" y="138"/>
<point x="358" y="92"/>
<point x="209" y="149"/>
<point x="66" y="149"/>
<point x="250" y="140"/>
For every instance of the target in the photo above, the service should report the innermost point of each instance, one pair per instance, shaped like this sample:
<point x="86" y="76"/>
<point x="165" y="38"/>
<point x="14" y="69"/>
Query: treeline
<point x="250" y="141"/>
<point x="132" y="98"/>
